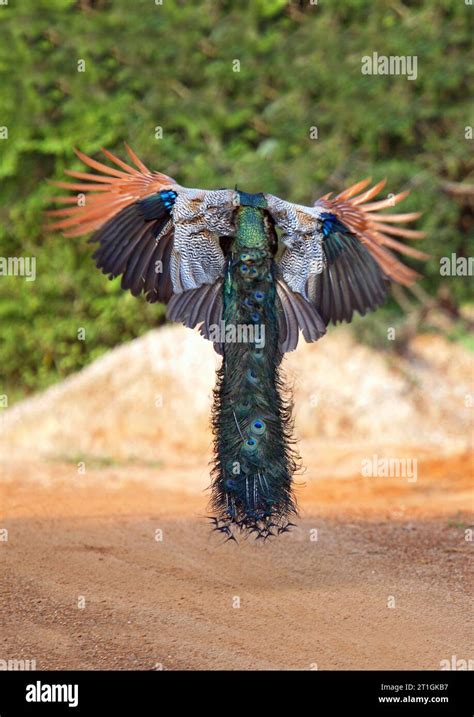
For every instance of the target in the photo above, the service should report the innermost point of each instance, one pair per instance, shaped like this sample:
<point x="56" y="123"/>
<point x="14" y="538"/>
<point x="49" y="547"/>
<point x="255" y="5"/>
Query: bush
<point x="171" y="66"/>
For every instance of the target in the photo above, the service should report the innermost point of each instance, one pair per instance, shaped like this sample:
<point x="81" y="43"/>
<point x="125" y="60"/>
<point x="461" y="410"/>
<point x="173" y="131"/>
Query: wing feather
<point x="357" y="242"/>
<point x="141" y="218"/>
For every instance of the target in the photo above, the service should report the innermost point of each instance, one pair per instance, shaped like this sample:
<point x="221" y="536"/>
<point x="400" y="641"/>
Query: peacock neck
<point x="250" y="229"/>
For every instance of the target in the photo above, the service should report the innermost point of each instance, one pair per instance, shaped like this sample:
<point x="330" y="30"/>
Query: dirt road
<point x="86" y="581"/>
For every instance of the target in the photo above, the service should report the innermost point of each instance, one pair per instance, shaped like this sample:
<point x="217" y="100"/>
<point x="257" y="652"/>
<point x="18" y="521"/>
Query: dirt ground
<point x="109" y="561"/>
<point x="86" y="582"/>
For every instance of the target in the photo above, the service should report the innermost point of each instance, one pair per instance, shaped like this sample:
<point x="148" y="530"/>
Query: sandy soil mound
<point x="150" y="400"/>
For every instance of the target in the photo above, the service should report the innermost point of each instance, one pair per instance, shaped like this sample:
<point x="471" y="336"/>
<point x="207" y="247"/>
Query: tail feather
<point x="255" y="457"/>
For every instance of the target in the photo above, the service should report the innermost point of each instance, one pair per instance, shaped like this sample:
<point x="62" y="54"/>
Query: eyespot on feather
<point x="250" y="445"/>
<point x="258" y="427"/>
<point x="252" y="378"/>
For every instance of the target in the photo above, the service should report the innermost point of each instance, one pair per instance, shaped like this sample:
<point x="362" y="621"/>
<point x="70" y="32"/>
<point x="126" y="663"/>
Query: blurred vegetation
<point x="150" y="65"/>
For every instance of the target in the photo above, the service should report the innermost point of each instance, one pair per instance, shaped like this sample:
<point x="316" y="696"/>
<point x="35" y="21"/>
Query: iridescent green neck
<point x="250" y="229"/>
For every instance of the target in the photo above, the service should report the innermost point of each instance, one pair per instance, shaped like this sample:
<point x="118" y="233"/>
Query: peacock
<point x="250" y="272"/>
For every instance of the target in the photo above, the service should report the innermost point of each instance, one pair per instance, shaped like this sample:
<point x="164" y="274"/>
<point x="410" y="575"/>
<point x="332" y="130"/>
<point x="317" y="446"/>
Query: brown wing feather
<point x="106" y="193"/>
<point x="360" y="215"/>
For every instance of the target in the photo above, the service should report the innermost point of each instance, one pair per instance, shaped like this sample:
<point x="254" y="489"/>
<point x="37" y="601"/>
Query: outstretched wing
<point x="162" y="238"/>
<point x="338" y="252"/>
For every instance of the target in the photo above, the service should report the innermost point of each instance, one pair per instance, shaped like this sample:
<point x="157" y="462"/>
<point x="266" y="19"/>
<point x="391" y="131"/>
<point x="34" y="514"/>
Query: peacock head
<point x="257" y="201"/>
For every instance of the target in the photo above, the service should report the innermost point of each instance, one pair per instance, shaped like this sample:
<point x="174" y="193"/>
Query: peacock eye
<point x="255" y="316"/>
<point x="259" y="296"/>
<point x="252" y="377"/>
<point x="258" y="427"/>
<point x="250" y="445"/>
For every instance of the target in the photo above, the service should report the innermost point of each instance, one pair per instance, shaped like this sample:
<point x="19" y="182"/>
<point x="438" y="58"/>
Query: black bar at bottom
<point x="142" y="693"/>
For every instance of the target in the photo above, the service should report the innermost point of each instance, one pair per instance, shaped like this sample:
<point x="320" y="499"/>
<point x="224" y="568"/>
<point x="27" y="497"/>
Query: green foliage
<point x="172" y="66"/>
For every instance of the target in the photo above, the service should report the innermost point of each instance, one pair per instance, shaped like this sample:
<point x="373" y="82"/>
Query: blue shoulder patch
<point x="156" y="205"/>
<point x="338" y="238"/>
<point x="331" y="223"/>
